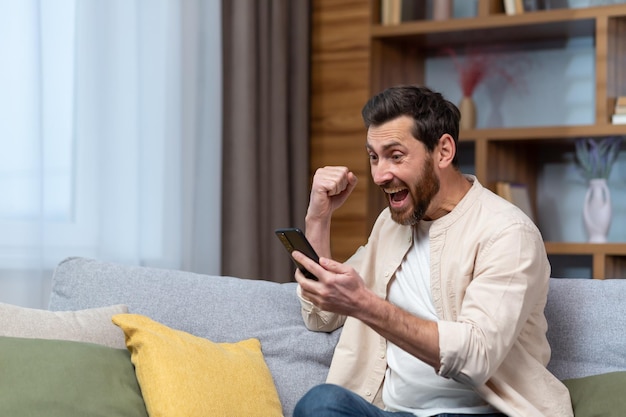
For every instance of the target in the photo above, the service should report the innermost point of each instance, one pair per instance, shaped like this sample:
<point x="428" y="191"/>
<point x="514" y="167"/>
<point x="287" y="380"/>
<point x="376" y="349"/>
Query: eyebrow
<point x="386" y="146"/>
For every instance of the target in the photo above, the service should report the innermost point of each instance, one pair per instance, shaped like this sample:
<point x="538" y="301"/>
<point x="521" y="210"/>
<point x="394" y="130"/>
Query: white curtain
<point x="110" y="137"/>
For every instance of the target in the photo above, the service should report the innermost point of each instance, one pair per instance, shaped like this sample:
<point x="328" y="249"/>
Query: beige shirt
<point x="489" y="282"/>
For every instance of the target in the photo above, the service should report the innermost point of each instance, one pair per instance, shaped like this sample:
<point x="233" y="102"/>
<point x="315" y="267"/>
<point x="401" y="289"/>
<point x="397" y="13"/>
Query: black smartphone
<point x="292" y="239"/>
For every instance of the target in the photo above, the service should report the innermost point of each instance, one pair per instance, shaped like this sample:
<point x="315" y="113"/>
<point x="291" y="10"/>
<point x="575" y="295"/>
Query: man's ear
<point x="447" y="150"/>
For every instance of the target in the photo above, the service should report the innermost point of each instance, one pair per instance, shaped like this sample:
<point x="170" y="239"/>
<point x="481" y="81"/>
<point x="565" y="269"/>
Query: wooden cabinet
<point x="399" y="54"/>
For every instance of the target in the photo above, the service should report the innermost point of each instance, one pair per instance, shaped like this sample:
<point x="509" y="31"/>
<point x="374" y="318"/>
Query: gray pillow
<point x="90" y="325"/>
<point x="221" y="309"/>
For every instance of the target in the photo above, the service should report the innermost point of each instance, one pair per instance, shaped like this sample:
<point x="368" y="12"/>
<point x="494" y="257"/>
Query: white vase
<point x="597" y="210"/>
<point x="467" y="107"/>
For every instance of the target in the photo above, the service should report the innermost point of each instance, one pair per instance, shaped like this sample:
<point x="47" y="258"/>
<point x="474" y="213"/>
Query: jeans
<point x="329" y="400"/>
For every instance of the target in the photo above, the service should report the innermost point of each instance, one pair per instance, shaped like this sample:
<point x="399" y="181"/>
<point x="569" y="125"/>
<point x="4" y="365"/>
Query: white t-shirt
<point x="411" y="385"/>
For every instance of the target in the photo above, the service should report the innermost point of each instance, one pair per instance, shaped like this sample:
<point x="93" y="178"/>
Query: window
<point x="36" y="125"/>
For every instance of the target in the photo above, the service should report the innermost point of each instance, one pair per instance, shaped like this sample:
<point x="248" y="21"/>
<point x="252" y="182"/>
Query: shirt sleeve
<point x="316" y="319"/>
<point x="509" y="285"/>
<point x="323" y="321"/>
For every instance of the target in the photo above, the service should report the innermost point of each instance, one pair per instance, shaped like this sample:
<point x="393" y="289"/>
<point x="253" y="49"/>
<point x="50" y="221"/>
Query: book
<point x="513" y="7"/>
<point x="531" y="5"/>
<point x="618" y="119"/>
<point x="620" y="105"/>
<point x="412" y="10"/>
<point x="390" y="12"/>
<point x="517" y="194"/>
<point x="509" y="7"/>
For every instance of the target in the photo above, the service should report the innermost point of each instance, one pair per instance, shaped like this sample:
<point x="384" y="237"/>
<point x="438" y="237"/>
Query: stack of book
<point x="619" y="115"/>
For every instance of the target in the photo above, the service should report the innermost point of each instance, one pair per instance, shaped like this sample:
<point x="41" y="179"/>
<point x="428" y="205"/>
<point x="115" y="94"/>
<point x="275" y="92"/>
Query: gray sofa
<point x="587" y="318"/>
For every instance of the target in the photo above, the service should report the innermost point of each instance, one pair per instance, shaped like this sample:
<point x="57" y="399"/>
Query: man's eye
<point x="373" y="157"/>
<point x="396" y="156"/>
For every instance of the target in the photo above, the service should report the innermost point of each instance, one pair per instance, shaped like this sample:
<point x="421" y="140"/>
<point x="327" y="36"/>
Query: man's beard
<point x="421" y="194"/>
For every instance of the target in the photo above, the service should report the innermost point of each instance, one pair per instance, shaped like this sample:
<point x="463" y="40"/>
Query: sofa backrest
<point x="586" y="326"/>
<point x="586" y="318"/>
<point x="221" y="309"/>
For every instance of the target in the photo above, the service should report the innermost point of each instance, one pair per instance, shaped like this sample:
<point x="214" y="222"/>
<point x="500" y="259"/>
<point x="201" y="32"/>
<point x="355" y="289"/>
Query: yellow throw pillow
<point x="184" y="375"/>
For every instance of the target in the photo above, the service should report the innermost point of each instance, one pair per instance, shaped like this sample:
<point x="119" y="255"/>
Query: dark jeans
<point x="334" y="401"/>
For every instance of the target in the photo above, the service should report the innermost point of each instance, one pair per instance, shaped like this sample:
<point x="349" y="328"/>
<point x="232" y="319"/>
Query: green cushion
<point x="598" y="395"/>
<point x="60" y="378"/>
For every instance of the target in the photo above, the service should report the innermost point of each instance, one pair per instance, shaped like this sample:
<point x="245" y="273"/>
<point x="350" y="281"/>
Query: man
<point x="442" y="309"/>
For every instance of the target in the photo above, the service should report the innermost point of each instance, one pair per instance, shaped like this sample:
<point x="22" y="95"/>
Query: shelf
<point x="543" y="132"/>
<point x="401" y="54"/>
<point x="546" y="24"/>
<point x="608" y="259"/>
<point x="580" y="248"/>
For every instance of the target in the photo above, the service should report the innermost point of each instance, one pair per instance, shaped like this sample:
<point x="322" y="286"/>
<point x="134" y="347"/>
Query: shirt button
<point x="382" y="355"/>
<point x="368" y="394"/>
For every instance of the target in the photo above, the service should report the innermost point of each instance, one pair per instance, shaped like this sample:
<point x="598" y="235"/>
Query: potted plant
<point x="595" y="160"/>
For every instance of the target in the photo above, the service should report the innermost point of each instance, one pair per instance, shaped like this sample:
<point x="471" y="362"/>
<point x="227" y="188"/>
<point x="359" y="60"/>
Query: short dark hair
<point x="433" y="115"/>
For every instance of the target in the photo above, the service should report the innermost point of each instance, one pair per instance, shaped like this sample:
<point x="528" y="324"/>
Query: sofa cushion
<point x="90" y="325"/>
<point x="221" y="309"/>
<point x="60" y="378"/>
<point x="598" y="395"/>
<point x="586" y="322"/>
<point x="184" y="375"/>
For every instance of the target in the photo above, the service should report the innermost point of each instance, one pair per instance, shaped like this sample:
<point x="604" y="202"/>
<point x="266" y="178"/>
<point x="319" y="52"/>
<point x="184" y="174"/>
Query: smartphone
<point x="292" y="239"/>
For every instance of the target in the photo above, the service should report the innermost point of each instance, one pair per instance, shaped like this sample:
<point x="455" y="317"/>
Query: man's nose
<point x="381" y="173"/>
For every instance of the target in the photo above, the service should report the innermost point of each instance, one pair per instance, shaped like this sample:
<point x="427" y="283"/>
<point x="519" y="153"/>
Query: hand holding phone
<point x="292" y="239"/>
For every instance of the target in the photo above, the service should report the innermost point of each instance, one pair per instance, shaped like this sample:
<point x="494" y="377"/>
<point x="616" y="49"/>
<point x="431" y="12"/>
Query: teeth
<point x="393" y="190"/>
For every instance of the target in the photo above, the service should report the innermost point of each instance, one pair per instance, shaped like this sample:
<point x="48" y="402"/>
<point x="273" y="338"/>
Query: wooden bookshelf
<point x="386" y="55"/>
<point x="608" y="260"/>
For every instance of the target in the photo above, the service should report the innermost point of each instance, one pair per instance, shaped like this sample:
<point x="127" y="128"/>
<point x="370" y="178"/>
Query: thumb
<point x="352" y="181"/>
<point x="333" y="266"/>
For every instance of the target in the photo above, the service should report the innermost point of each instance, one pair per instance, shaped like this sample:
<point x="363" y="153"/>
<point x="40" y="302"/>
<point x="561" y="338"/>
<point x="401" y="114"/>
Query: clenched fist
<point x="331" y="187"/>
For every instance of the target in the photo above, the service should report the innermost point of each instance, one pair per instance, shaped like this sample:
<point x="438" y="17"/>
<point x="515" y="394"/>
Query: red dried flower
<point x="477" y="66"/>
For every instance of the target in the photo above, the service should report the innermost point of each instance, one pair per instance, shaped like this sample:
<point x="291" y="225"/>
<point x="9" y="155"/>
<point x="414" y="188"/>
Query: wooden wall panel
<point x="339" y="89"/>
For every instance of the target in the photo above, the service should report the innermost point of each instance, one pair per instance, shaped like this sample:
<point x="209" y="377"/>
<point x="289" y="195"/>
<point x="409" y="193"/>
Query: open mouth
<point x="397" y="196"/>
